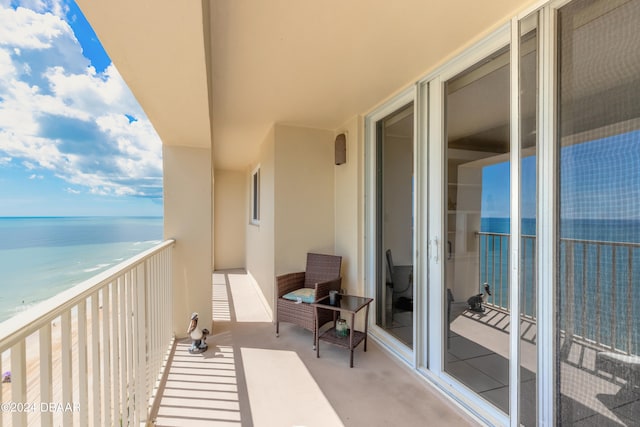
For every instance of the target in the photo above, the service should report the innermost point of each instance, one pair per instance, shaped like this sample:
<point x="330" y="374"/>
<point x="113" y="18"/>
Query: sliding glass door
<point x="598" y="250"/>
<point x="476" y="190"/>
<point x="509" y="268"/>
<point x="395" y="194"/>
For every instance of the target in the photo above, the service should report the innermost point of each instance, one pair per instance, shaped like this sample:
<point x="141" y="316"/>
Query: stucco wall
<point x="260" y="238"/>
<point x="349" y="201"/>
<point x="231" y="213"/>
<point x="296" y="203"/>
<point x="304" y="199"/>
<point x="187" y="218"/>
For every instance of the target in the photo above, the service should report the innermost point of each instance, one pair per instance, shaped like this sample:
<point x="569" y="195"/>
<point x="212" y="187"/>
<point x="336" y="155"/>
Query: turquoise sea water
<point x="41" y="257"/>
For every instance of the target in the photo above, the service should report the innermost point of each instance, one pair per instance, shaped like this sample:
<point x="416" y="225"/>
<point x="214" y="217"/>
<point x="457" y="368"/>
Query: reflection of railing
<point x="92" y="354"/>
<point x="599" y="302"/>
<point x="494" y="267"/>
<point x="599" y="306"/>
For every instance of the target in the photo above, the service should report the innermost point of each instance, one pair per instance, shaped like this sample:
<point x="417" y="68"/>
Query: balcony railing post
<point x="140" y="334"/>
<point x="493" y="268"/>
<point x="46" y="392"/>
<point x="106" y="351"/>
<point x="614" y="288"/>
<point x="115" y="371"/>
<point x="95" y="359"/>
<point x="18" y="381"/>
<point x="569" y="301"/>
<point x="123" y="346"/>
<point x="523" y="278"/>
<point x="583" y="320"/>
<point x="130" y="393"/>
<point x="499" y="256"/>
<point x="1" y="396"/>
<point x="630" y="301"/>
<point x="83" y="382"/>
<point x="67" y="375"/>
<point x="598" y="298"/>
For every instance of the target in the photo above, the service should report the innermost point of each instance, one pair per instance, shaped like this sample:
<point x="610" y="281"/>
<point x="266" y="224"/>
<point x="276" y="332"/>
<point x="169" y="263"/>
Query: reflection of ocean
<point x="599" y="258"/>
<point x="40" y="257"/>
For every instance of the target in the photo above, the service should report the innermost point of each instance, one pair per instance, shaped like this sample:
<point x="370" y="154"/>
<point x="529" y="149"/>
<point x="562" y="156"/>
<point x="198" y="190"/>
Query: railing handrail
<point x="490" y="233"/>
<point x="568" y="239"/>
<point x="32" y="319"/>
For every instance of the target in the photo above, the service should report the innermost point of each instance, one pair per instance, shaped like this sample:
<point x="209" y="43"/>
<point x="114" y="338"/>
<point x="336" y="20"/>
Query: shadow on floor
<point x="248" y="377"/>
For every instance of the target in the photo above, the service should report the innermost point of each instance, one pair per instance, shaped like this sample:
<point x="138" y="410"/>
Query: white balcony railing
<point x="597" y="282"/>
<point x="93" y="354"/>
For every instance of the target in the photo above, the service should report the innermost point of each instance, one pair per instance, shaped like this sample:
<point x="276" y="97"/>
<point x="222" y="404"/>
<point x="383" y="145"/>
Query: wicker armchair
<point x="322" y="274"/>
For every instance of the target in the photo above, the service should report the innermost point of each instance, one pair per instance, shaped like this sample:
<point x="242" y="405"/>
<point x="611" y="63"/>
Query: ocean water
<point x="41" y="257"/>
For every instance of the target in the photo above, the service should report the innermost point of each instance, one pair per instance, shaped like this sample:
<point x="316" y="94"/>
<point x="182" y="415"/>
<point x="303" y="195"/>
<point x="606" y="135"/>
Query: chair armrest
<point x="289" y="282"/>
<point x="323" y="288"/>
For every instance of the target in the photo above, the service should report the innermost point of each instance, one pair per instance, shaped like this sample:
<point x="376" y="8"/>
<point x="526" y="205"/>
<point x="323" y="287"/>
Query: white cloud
<point x="57" y="113"/>
<point x="5" y="161"/>
<point x="26" y="29"/>
<point x="72" y="191"/>
<point x="56" y="7"/>
<point x="34" y="176"/>
<point x="7" y="69"/>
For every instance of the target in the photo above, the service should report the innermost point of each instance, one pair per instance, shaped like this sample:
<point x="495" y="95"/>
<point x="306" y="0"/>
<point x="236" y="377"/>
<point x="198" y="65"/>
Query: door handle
<point x="435" y="250"/>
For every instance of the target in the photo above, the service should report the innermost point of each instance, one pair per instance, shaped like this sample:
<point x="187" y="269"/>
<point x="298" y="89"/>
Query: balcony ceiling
<point x="301" y="62"/>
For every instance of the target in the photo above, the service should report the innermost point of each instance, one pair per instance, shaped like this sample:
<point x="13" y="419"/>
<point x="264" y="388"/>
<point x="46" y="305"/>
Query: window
<point x="255" y="196"/>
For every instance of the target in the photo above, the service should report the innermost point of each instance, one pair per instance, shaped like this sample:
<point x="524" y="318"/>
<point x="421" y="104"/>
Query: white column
<point x="187" y="216"/>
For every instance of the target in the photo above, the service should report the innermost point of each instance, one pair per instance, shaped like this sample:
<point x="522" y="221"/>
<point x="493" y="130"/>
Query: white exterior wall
<point x="296" y="204"/>
<point x="304" y="200"/>
<point x="260" y="238"/>
<point x="231" y="214"/>
<point x="187" y="218"/>
<point x="349" y="207"/>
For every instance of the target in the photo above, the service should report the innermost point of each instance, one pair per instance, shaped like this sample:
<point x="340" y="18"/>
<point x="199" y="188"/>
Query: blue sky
<point x="599" y="179"/>
<point x="73" y="139"/>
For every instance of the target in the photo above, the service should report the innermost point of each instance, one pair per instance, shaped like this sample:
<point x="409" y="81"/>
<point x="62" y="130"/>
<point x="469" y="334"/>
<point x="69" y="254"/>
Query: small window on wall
<point x="255" y="196"/>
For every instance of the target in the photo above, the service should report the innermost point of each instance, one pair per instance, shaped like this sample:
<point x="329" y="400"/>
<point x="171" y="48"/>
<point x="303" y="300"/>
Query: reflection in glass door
<point x="394" y="224"/>
<point x="598" y="251"/>
<point x="477" y="222"/>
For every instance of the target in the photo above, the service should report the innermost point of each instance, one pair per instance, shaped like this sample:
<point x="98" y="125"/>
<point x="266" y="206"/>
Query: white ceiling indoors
<point x="302" y="62"/>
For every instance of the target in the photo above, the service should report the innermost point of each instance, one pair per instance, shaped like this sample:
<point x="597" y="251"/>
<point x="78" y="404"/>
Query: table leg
<point x="366" y="324"/>
<point x="351" y="334"/>
<point x="315" y="337"/>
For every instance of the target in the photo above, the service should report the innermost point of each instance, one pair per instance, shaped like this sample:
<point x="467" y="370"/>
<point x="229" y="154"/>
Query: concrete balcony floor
<point x="250" y="377"/>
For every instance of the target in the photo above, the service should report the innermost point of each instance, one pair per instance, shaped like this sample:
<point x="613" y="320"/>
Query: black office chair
<point x="398" y="275"/>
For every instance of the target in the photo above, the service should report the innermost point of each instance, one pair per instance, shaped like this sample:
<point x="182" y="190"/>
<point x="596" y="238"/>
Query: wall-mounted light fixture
<point x="341" y="149"/>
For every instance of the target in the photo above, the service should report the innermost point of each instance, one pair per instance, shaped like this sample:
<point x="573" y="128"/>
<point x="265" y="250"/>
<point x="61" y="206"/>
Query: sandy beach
<point x="34" y="405"/>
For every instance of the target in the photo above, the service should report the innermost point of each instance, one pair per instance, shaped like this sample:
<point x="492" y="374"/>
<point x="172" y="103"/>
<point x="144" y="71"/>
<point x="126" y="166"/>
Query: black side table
<point x="350" y="304"/>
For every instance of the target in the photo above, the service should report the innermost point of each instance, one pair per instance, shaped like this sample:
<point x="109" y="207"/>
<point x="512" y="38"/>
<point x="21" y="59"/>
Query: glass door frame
<point x="373" y="274"/>
<point x="432" y="364"/>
